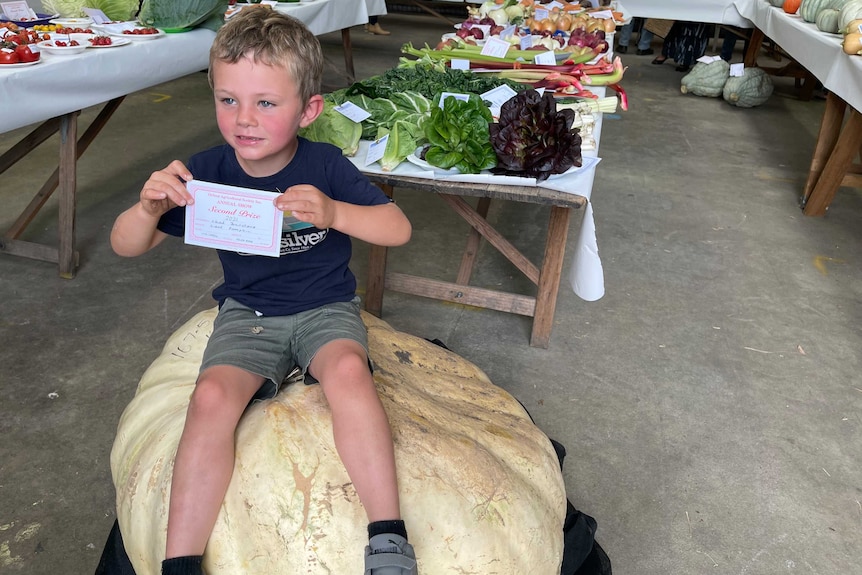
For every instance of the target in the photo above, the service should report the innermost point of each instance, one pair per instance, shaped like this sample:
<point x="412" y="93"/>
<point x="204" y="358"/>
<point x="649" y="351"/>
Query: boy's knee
<point x="209" y="396"/>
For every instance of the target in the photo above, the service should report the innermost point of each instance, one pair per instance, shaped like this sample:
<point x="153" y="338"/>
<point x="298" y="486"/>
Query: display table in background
<point x="105" y="77"/>
<point x="563" y="194"/>
<point x="839" y="140"/>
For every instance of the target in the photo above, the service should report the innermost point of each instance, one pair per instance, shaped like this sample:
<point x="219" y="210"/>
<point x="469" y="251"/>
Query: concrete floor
<point x="710" y="402"/>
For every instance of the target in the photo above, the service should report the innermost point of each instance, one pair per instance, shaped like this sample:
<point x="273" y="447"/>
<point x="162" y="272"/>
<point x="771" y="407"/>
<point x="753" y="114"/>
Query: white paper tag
<point x="97" y="15"/>
<point x="551" y="5"/>
<point x="270" y="3"/>
<point x="526" y="42"/>
<point x="604" y="14"/>
<point x="352" y="111"/>
<point x="499" y="95"/>
<point x="546" y="58"/>
<point x="495" y="47"/>
<point x="457" y="96"/>
<point x="507" y="31"/>
<point x="709" y="59"/>
<point x="375" y="150"/>
<point x="540" y="14"/>
<point x="459" y="64"/>
<point x="17" y="10"/>
<point x="737" y="69"/>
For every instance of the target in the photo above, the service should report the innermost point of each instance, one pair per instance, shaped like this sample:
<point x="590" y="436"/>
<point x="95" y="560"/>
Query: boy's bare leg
<point x="205" y="457"/>
<point x="360" y="426"/>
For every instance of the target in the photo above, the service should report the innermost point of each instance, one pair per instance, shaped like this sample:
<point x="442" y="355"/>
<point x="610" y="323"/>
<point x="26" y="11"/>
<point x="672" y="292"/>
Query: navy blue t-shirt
<point x="312" y="269"/>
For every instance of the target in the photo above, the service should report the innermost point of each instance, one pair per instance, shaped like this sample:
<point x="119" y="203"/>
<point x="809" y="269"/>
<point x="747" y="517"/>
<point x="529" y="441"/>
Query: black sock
<point x="395" y="526"/>
<point x="189" y="565"/>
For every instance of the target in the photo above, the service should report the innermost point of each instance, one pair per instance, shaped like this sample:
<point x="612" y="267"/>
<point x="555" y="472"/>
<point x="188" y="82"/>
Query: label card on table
<point x="709" y="59"/>
<point x="17" y="10"/>
<point x="352" y="111"/>
<point x="459" y="64"/>
<point x="737" y="69"/>
<point x="546" y="58"/>
<point x="233" y="219"/>
<point x="495" y="47"/>
<point x="97" y="15"/>
<point x="375" y="150"/>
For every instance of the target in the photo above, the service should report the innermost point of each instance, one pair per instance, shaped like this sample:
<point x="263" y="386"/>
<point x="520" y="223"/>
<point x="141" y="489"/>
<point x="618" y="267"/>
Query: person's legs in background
<point x="625" y="37"/>
<point x="373" y="27"/>
<point x="645" y="43"/>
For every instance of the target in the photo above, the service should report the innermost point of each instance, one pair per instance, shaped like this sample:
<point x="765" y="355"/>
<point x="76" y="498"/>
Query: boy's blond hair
<point x="275" y="39"/>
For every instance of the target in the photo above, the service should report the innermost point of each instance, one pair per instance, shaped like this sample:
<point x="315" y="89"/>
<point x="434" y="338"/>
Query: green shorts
<point x="272" y="346"/>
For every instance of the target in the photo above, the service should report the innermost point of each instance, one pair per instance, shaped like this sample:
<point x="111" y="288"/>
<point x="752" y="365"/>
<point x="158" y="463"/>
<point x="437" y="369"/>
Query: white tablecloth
<point x="820" y="53"/>
<point x="62" y="84"/>
<point x="711" y="11"/>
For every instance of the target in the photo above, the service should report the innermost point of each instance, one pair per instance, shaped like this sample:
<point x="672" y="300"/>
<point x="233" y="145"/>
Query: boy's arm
<point x="135" y="231"/>
<point x="382" y="225"/>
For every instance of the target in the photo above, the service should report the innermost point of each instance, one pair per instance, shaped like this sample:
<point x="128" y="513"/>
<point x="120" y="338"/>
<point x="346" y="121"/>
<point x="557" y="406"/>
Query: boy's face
<point x="259" y="111"/>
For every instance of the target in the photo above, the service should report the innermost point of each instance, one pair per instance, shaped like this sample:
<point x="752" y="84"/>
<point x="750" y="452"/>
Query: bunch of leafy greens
<point x="458" y="134"/>
<point x="334" y="128"/>
<point x="533" y="138"/>
<point x="183" y="13"/>
<point x="402" y="115"/>
<point x="427" y="80"/>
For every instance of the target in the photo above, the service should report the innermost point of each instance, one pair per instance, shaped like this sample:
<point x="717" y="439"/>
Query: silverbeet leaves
<point x="534" y="139"/>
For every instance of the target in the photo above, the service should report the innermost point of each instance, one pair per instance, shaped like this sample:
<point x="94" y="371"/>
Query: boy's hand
<point x="308" y="204"/>
<point x="166" y="189"/>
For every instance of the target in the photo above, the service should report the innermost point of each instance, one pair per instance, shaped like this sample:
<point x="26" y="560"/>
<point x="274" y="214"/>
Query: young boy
<point x="274" y="313"/>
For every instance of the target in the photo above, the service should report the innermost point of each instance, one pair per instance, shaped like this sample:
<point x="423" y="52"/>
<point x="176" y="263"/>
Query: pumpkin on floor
<point x="706" y="79"/>
<point x="480" y="484"/>
<point x="751" y="89"/>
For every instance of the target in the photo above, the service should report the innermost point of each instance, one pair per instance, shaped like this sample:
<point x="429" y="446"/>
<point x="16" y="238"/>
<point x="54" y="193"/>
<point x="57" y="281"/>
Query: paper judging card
<point x="233" y="219"/>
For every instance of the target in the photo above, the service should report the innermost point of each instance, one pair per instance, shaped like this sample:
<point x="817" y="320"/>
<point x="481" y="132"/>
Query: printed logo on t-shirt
<point x="294" y="242"/>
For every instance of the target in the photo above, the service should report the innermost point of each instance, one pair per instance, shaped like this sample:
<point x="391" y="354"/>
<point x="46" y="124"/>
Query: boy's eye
<point x="266" y="104"/>
<point x="228" y="101"/>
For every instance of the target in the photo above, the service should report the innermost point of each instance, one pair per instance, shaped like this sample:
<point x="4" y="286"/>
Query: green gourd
<point x="751" y="89"/>
<point x="852" y="10"/>
<point x="811" y="8"/>
<point x="829" y="21"/>
<point x="706" y="79"/>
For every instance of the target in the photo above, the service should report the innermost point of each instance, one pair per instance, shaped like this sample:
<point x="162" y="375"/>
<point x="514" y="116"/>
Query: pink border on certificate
<point x="240" y="194"/>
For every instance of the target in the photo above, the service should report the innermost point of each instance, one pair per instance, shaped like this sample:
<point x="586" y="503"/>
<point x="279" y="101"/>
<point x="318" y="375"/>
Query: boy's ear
<point x="312" y="110"/>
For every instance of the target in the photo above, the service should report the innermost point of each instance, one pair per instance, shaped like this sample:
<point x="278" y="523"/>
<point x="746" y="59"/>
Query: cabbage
<point x="65" y="8"/>
<point x="334" y="128"/>
<point x="116" y="10"/>
<point x="182" y="13"/>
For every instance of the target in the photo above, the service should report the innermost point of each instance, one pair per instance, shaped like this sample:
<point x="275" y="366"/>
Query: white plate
<point x="48" y="47"/>
<point x="20" y="64"/>
<point x="137" y="37"/>
<point x="416" y="160"/>
<point x="73" y="22"/>
<point x="453" y="36"/>
<point x="115" y="42"/>
<point x="82" y="38"/>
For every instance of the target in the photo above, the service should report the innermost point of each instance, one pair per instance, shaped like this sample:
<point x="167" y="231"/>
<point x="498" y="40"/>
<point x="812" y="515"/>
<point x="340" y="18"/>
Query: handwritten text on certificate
<point x="233" y="219"/>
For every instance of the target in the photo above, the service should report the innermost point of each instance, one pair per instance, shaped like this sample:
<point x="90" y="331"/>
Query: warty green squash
<point x="751" y="89"/>
<point x="809" y="9"/>
<point x="481" y="486"/>
<point x="706" y="79"/>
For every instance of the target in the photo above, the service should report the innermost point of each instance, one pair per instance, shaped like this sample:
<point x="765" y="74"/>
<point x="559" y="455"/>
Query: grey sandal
<point x="392" y="556"/>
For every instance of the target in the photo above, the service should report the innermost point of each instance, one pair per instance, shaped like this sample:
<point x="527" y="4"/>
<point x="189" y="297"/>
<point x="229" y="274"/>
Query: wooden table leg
<point x="376" y="276"/>
<point x="837" y="166"/>
<point x="549" y="277"/>
<point x="468" y="260"/>
<point x="754" y="45"/>
<point x="68" y="182"/>
<point x="830" y="128"/>
<point x="347" y="47"/>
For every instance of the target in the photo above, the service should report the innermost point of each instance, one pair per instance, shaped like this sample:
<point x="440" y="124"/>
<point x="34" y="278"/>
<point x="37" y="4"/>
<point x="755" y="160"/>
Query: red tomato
<point x="8" y="57"/>
<point x="25" y="54"/>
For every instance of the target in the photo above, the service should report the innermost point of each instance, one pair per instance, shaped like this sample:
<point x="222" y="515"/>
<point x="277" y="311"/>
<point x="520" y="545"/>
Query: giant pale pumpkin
<point x="481" y="486"/>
